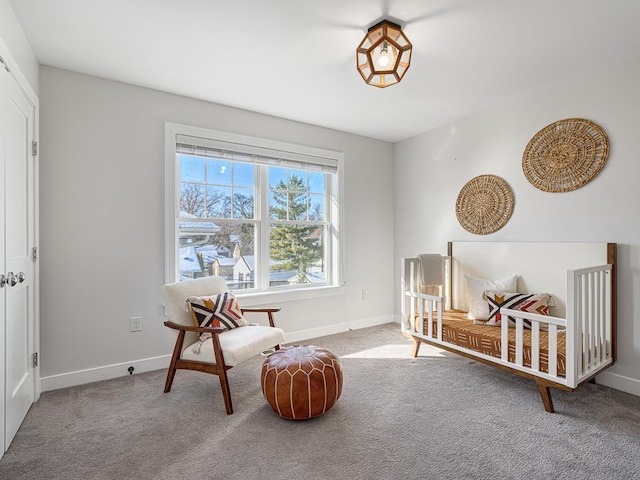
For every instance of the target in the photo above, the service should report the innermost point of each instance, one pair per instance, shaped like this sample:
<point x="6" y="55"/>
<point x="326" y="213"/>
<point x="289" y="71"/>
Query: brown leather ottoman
<point x="301" y="381"/>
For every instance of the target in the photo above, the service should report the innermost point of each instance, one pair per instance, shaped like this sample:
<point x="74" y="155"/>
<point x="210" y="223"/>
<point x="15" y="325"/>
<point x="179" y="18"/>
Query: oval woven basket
<point x="565" y="155"/>
<point x="484" y="204"/>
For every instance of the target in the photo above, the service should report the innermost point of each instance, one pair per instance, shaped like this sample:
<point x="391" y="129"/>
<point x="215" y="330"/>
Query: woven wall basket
<point x="484" y="204"/>
<point x="565" y="155"/>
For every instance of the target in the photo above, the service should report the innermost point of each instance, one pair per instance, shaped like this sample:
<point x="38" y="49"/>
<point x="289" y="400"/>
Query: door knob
<point x="21" y="277"/>
<point x="11" y="279"/>
<point x="3" y="280"/>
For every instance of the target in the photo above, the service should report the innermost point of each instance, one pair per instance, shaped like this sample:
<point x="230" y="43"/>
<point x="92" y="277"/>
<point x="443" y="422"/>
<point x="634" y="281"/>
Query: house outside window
<point x="262" y="214"/>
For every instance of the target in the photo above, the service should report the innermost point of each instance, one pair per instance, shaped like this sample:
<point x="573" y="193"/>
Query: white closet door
<point x="4" y="102"/>
<point x="19" y="233"/>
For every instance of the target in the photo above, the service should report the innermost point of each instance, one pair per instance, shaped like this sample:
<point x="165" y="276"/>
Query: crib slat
<point x="592" y="320"/>
<point x="603" y="317"/>
<point x="519" y="339"/>
<point x="553" y="350"/>
<point x="572" y="315"/>
<point x="504" y="341"/>
<point x="430" y="319"/>
<point x="607" y="329"/>
<point x="535" y="346"/>
<point x="420" y="317"/>
<point x="582" y="338"/>
<point x="597" y="319"/>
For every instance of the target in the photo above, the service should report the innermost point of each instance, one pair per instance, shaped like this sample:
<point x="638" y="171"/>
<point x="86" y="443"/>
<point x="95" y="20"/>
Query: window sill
<point x="280" y="296"/>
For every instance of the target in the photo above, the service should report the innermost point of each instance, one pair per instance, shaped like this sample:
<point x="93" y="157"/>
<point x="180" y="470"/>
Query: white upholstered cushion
<point x="478" y="307"/>
<point x="175" y="296"/>
<point x="238" y="344"/>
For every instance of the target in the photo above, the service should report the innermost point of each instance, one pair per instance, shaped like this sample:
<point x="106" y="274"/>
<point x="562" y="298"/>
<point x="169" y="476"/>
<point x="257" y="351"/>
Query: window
<point x="262" y="214"/>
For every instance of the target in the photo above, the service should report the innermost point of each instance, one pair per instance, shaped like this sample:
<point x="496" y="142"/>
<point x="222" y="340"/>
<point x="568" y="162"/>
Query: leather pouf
<point x="301" y="381"/>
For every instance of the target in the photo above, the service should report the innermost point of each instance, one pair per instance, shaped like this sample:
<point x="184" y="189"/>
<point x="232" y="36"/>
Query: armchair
<point x="226" y="348"/>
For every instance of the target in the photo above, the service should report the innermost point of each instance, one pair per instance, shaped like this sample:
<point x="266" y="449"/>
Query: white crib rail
<point x="587" y="326"/>
<point x="419" y="302"/>
<point x="589" y="309"/>
<point x="538" y="322"/>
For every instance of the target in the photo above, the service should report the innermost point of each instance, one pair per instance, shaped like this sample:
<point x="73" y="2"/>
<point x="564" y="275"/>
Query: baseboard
<point x="619" y="382"/>
<point x="80" y="377"/>
<point x="107" y="372"/>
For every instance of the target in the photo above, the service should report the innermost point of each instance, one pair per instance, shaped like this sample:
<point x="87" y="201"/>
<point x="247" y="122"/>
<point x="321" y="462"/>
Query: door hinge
<point x="34" y="148"/>
<point x="35" y="359"/>
<point x="34" y="254"/>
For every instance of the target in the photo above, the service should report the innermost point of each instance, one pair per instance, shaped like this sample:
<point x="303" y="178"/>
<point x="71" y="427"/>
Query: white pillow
<point x="478" y="307"/>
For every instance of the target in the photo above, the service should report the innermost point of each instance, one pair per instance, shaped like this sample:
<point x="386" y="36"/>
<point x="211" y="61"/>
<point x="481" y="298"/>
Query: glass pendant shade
<point x="384" y="55"/>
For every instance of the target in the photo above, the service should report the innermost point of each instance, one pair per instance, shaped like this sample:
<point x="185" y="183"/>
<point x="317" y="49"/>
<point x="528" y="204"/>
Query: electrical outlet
<point x="364" y="293"/>
<point x="135" y="324"/>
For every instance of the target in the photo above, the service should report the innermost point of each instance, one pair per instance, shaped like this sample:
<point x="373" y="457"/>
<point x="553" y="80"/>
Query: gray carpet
<point x="438" y="416"/>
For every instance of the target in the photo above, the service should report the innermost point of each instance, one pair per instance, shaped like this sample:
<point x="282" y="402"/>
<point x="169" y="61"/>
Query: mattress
<point x="460" y="331"/>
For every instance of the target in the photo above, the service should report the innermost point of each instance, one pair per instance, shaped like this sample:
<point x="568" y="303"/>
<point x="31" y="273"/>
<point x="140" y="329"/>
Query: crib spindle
<point x="553" y="350"/>
<point x="519" y="339"/>
<point x="535" y="346"/>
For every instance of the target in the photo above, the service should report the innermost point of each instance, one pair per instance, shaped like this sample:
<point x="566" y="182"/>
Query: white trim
<point x="107" y="372"/>
<point x="289" y="295"/>
<point x="619" y="382"/>
<point x="254" y="151"/>
<point x="170" y="202"/>
<point x="36" y="227"/>
<point x="14" y="69"/>
<point x="206" y="134"/>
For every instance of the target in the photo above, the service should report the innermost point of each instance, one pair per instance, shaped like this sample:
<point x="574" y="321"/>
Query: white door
<point x="4" y="97"/>
<point x="19" y="239"/>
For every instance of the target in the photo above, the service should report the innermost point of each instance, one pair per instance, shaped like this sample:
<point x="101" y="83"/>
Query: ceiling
<point x="295" y="59"/>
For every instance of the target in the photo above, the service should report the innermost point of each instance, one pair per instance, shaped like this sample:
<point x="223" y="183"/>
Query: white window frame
<point x="335" y="211"/>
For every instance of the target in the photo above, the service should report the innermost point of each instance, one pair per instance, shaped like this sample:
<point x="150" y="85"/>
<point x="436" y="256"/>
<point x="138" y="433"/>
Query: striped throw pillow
<point x="525" y="302"/>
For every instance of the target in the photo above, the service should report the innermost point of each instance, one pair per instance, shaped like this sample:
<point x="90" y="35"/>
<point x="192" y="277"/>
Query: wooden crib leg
<point x="545" y="393"/>
<point x="416" y="347"/>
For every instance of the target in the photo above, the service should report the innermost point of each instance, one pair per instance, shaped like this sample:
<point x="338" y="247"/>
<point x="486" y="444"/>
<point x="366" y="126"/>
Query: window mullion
<point x="263" y="226"/>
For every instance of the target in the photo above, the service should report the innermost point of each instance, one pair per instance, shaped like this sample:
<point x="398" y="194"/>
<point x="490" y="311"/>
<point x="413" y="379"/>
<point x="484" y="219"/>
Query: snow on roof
<point x="188" y="260"/>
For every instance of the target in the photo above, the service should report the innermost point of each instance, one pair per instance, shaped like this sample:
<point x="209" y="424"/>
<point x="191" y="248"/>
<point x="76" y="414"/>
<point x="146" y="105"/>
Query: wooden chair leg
<point x="416" y="347"/>
<point x="222" y="373"/>
<point x="174" y="359"/>
<point x="545" y="393"/>
<point x="226" y="393"/>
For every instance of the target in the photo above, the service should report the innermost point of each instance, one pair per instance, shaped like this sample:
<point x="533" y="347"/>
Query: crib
<point x="563" y="349"/>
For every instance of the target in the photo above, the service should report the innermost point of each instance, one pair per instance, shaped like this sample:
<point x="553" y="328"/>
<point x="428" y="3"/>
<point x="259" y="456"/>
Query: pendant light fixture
<point x="384" y="55"/>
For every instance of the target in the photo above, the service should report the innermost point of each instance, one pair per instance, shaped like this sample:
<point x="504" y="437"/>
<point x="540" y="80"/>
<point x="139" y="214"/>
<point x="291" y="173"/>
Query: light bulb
<point x="383" y="59"/>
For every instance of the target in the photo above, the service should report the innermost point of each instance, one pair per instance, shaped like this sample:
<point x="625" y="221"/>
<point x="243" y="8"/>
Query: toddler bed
<point x="549" y="308"/>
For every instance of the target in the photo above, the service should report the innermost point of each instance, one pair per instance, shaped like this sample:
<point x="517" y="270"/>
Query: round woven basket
<point x="565" y="155"/>
<point x="484" y="204"/>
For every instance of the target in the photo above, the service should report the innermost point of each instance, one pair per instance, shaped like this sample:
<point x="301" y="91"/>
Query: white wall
<point x="102" y="230"/>
<point x="13" y="37"/>
<point x="430" y="169"/>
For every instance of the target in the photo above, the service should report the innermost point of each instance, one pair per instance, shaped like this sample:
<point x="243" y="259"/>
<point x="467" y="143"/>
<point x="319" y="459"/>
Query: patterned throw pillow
<point x="217" y="311"/>
<point x="524" y="302"/>
<point x="476" y="287"/>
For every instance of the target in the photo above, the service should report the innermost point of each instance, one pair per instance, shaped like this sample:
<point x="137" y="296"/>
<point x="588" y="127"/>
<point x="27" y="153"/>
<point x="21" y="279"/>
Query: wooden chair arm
<point x="193" y="328"/>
